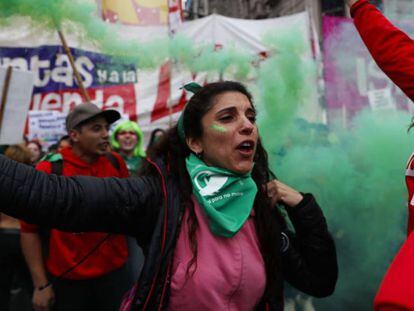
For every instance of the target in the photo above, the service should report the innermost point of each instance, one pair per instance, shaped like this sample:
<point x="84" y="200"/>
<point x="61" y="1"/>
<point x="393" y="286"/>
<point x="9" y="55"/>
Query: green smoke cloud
<point x="356" y="174"/>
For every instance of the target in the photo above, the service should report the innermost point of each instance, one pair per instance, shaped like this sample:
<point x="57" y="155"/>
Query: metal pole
<point x="314" y="7"/>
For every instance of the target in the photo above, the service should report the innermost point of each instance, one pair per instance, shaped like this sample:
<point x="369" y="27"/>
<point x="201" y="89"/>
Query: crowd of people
<point x="49" y="269"/>
<point x="201" y="202"/>
<point x="202" y="213"/>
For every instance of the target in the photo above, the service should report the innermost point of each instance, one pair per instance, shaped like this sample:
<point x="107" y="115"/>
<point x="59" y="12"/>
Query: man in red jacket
<point x="393" y="51"/>
<point x="88" y="270"/>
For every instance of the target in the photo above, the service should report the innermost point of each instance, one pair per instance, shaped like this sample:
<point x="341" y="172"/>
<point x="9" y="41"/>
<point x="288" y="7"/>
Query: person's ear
<point x="195" y="145"/>
<point x="74" y="136"/>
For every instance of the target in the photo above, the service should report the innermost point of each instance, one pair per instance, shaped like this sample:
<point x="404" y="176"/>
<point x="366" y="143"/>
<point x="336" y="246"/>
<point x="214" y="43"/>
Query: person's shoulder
<point x="45" y="165"/>
<point x="356" y="7"/>
<point x="52" y="157"/>
<point x="113" y="161"/>
<point x="123" y="170"/>
<point x="410" y="162"/>
<point x="117" y="156"/>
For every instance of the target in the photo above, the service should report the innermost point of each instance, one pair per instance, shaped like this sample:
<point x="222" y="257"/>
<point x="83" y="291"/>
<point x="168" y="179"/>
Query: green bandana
<point x="227" y="198"/>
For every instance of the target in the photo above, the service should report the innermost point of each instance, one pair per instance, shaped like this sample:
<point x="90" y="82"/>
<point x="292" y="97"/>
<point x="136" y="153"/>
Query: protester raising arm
<point x="391" y="48"/>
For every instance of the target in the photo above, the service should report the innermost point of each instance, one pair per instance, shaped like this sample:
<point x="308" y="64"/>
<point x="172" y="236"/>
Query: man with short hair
<point x="87" y="270"/>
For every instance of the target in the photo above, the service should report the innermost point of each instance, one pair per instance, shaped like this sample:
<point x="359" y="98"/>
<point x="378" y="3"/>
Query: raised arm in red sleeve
<point x="391" y="48"/>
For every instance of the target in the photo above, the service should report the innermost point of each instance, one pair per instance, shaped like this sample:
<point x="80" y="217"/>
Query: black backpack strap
<point x="113" y="160"/>
<point x="57" y="167"/>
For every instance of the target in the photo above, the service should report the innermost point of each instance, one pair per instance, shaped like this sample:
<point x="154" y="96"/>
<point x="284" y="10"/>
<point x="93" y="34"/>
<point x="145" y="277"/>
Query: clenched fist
<point x="279" y="192"/>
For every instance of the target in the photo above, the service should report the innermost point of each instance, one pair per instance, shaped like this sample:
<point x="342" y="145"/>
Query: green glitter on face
<point x="219" y="128"/>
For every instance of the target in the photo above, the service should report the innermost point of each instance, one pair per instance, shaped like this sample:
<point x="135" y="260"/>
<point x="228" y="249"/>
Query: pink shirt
<point x="230" y="272"/>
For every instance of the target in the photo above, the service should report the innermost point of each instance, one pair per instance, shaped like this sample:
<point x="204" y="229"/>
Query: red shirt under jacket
<point x="67" y="249"/>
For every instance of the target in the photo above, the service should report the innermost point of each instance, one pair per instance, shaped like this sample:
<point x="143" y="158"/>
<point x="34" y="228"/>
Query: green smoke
<point x="80" y="16"/>
<point x="358" y="179"/>
<point x="356" y="174"/>
<point x="283" y="83"/>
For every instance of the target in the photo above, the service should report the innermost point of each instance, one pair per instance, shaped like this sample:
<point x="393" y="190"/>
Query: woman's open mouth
<point x="246" y="148"/>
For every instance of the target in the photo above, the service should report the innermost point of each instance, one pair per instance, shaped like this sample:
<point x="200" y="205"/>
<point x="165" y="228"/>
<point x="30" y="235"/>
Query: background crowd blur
<point x="16" y="286"/>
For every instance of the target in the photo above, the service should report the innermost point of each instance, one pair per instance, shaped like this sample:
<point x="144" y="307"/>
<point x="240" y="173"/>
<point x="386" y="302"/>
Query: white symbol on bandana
<point x="213" y="183"/>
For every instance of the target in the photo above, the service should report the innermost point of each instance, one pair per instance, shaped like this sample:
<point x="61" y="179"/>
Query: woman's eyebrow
<point x="227" y="109"/>
<point x="233" y="109"/>
<point x="251" y="110"/>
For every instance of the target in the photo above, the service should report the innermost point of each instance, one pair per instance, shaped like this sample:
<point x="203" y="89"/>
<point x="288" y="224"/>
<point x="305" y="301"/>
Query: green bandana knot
<point x="226" y="198"/>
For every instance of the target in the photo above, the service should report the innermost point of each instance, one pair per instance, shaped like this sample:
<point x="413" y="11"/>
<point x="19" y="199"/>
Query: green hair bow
<point x="192" y="87"/>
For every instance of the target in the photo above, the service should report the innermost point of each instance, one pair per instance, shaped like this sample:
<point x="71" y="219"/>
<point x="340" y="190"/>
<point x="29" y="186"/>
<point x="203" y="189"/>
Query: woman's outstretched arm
<point x="77" y="203"/>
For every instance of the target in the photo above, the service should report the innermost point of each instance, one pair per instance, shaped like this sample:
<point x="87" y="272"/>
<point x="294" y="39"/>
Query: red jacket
<point x="396" y="292"/>
<point x="67" y="249"/>
<point x="393" y="51"/>
<point x="391" y="48"/>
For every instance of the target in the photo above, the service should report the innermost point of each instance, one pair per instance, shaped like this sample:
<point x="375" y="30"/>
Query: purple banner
<point x="109" y="82"/>
<point x="352" y="79"/>
<point x="54" y="73"/>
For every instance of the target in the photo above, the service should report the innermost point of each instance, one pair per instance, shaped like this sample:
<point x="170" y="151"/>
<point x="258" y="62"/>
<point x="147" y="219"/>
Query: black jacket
<point x="148" y="208"/>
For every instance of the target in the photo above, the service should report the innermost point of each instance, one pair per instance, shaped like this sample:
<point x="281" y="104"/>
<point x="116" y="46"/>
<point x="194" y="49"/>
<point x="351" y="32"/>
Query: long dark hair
<point x="269" y="221"/>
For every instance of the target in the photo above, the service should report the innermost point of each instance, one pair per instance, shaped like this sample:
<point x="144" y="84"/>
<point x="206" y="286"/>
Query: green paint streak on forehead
<point x="219" y="128"/>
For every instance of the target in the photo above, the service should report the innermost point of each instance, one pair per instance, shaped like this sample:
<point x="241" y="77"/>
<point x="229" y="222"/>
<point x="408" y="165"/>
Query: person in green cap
<point x="127" y="140"/>
<point x="205" y="208"/>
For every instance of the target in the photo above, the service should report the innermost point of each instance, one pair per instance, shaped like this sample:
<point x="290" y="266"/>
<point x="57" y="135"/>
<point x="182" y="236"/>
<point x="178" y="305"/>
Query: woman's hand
<point x="279" y="192"/>
<point x="351" y="2"/>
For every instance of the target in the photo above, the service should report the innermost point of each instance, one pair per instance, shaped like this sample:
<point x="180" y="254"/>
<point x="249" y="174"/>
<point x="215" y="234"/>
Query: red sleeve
<point x="24" y="226"/>
<point x="44" y="166"/>
<point x="123" y="170"/>
<point x="397" y="290"/>
<point x="391" y="48"/>
<point x="27" y="228"/>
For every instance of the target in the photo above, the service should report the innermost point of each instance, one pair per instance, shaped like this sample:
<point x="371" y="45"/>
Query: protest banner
<point x="16" y="87"/>
<point x="353" y="81"/>
<point x="152" y="97"/>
